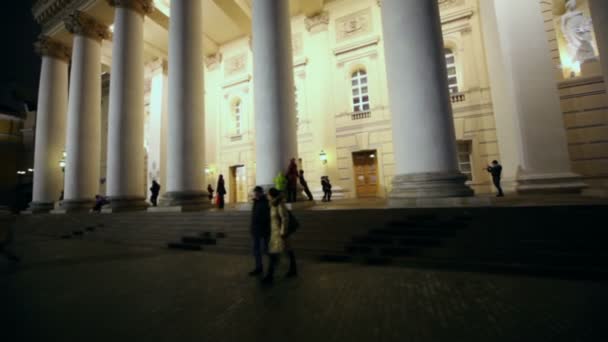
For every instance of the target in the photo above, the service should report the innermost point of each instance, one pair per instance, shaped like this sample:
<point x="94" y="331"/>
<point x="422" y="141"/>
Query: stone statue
<point x="578" y="33"/>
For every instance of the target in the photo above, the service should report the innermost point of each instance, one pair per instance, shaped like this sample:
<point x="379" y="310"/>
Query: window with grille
<point x="450" y="61"/>
<point x="360" y="91"/>
<point x="237" y="117"/>
<point x="464" y="158"/>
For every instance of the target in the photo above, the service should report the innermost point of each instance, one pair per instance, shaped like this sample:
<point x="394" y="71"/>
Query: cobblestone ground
<point x="91" y="291"/>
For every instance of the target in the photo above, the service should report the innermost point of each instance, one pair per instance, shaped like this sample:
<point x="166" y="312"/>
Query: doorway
<point x="365" y="165"/>
<point x="238" y="184"/>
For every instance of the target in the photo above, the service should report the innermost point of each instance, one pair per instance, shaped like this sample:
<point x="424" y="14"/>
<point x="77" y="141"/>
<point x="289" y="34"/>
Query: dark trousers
<point x="260" y="246"/>
<point x="496" y="181"/>
<point x="221" y="201"/>
<point x="292" y="194"/>
<point x="274" y="262"/>
<point x="154" y="200"/>
<point x="326" y="195"/>
<point x="308" y="193"/>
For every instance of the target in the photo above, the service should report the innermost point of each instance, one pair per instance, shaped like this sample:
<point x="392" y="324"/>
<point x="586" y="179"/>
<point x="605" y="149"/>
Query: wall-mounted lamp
<point x="323" y="157"/>
<point x="62" y="162"/>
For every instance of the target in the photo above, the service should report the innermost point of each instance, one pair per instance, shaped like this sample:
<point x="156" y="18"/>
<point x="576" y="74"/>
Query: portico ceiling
<point x="223" y="21"/>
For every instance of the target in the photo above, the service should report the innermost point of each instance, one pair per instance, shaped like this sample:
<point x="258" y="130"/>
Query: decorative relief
<point x="213" y="61"/>
<point x="80" y="23"/>
<point x="235" y="65"/>
<point x="354" y="25"/>
<point x="297" y="45"/>
<point x="141" y="6"/>
<point x="317" y="23"/>
<point x="46" y="46"/>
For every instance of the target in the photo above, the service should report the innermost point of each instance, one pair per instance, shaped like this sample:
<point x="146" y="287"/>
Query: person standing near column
<point x="83" y="145"/>
<point x="50" y="123"/>
<point x="496" y="171"/>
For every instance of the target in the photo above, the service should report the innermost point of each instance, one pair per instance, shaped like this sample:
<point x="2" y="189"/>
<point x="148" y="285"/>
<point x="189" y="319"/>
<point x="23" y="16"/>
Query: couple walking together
<point x="270" y="229"/>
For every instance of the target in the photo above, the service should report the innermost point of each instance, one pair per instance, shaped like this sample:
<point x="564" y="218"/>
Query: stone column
<point x="84" y="113"/>
<point x="599" y="15"/>
<point x="423" y="127"/>
<point x="125" y="175"/>
<point x="529" y="123"/>
<point x="186" y="160"/>
<point x="275" y="119"/>
<point x="50" y="124"/>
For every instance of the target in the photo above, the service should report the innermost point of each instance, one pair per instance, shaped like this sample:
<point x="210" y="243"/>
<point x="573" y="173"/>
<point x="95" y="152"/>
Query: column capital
<point x="80" y="23"/>
<point x="47" y="46"/>
<point x="317" y="22"/>
<point x="142" y="7"/>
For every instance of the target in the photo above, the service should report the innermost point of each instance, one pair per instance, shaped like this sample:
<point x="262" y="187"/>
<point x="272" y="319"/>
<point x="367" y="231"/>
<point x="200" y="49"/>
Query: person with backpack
<point x="282" y="224"/>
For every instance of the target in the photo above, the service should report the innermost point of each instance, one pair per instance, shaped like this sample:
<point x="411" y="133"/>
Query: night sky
<point x="19" y="64"/>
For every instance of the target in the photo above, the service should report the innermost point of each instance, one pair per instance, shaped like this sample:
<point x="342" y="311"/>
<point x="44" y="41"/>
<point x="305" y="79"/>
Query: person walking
<point x="260" y="228"/>
<point x="496" y="170"/>
<point x="292" y="181"/>
<point x="221" y="192"/>
<point x="304" y="185"/>
<point x="279" y="239"/>
<point x="154" y="191"/>
<point x="326" y="185"/>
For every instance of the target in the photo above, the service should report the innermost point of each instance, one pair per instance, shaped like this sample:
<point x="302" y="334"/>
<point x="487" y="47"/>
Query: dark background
<point x="19" y="64"/>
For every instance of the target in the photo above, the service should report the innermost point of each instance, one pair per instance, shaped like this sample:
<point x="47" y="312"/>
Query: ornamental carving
<point x="318" y="22"/>
<point x="140" y="6"/>
<point x="213" y="61"/>
<point x="46" y="46"/>
<point x="354" y="25"/>
<point x="80" y="23"/>
<point x="235" y="65"/>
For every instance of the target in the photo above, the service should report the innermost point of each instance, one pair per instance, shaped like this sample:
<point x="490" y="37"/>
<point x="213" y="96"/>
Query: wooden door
<point x="366" y="173"/>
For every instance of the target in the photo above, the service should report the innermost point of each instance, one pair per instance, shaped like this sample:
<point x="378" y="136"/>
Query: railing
<point x="457" y="97"/>
<point x="361" y="115"/>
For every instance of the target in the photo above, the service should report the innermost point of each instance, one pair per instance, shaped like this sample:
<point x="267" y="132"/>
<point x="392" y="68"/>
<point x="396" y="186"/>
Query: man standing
<point x="260" y="228"/>
<point x="154" y="191"/>
<point x="304" y="185"/>
<point x="496" y="170"/>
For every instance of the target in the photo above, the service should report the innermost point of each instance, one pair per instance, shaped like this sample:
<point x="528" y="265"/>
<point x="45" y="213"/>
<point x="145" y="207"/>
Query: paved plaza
<point x="76" y="290"/>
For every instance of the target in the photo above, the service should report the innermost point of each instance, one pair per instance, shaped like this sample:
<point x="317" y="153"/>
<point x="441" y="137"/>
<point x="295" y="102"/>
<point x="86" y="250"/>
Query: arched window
<point x="360" y="91"/>
<point x="236" y="112"/>
<point x="450" y="61"/>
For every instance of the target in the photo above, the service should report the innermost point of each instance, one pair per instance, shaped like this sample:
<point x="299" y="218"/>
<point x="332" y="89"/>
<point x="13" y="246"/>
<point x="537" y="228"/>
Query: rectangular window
<point x="464" y="158"/>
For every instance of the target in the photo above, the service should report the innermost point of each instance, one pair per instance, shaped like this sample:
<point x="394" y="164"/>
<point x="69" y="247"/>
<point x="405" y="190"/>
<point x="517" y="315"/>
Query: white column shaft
<point x="50" y="129"/>
<point x="186" y="161"/>
<point x="423" y="128"/>
<point x="275" y="121"/>
<point x="599" y="14"/>
<point x="125" y="176"/>
<point x="84" y="121"/>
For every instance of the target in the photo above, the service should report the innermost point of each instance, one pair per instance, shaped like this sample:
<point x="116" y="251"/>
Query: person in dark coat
<point x="260" y="228"/>
<point x="221" y="192"/>
<point x="154" y="191"/>
<point x="304" y="185"/>
<point x="496" y="170"/>
<point x="326" y="185"/>
<point x="210" y="191"/>
<point x="292" y="181"/>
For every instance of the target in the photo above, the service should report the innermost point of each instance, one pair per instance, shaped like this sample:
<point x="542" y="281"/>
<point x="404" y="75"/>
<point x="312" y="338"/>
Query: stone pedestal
<point x="423" y="127"/>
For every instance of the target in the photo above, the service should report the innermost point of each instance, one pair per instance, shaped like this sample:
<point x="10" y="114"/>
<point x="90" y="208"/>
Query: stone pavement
<point x="76" y="290"/>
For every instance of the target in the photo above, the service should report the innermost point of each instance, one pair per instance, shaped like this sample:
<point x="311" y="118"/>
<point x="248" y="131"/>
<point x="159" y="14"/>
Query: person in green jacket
<point x="280" y="182"/>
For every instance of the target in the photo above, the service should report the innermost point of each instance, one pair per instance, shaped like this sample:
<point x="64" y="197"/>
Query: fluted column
<point x="186" y="161"/>
<point x="50" y="124"/>
<point x="83" y="145"/>
<point x="529" y="122"/>
<point x="125" y="174"/>
<point x="599" y="15"/>
<point x="423" y="127"/>
<point x="275" y="120"/>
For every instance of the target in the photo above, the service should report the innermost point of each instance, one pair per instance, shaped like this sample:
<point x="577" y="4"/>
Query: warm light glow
<point x="111" y="28"/>
<point x="323" y="157"/>
<point x="372" y="156"/>
<point x="21" y="172"/>
<point x="64" y="154"/>
<point x="62" y="164"/>
<point x="30" y="170"/>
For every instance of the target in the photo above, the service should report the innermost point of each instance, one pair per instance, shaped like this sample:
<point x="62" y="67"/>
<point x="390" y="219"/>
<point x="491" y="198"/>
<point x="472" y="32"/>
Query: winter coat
<point x="279" y="221"/>
<point x="292" y="175"/>
<point x="260" y="218"/>
<point x="221" y="189"/>
<point x="280" y="182"/>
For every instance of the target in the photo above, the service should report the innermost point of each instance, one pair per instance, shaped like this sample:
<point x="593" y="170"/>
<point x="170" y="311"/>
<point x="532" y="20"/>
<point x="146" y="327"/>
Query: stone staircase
<point x="552" y="239"/>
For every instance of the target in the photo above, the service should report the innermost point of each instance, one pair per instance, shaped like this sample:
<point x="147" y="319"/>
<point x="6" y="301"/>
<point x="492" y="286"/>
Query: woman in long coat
<point x="279" y="241"/>
<point x="221" y="192"/>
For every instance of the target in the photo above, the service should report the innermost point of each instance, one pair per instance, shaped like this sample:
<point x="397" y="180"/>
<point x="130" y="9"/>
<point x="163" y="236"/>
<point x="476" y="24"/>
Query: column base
<point x="74" y="206"/>
<point x="41" y="207"/>
<point x="548" y="183"/>
<point x="179" y="201"/>
<point x="429" y="185"/>
<point x="125" y="203"/>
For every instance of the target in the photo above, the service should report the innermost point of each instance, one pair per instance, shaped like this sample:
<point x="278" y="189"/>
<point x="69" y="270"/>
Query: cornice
<point x="80" y="23"/>
<point x="142" y="7"/>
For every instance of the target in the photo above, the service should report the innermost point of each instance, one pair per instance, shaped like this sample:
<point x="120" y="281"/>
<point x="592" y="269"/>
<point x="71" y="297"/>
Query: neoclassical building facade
<point x="393" y="98"/>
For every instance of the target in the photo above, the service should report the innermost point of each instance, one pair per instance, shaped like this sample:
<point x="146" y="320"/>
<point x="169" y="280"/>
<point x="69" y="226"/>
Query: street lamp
<point x="323" y="157"/>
